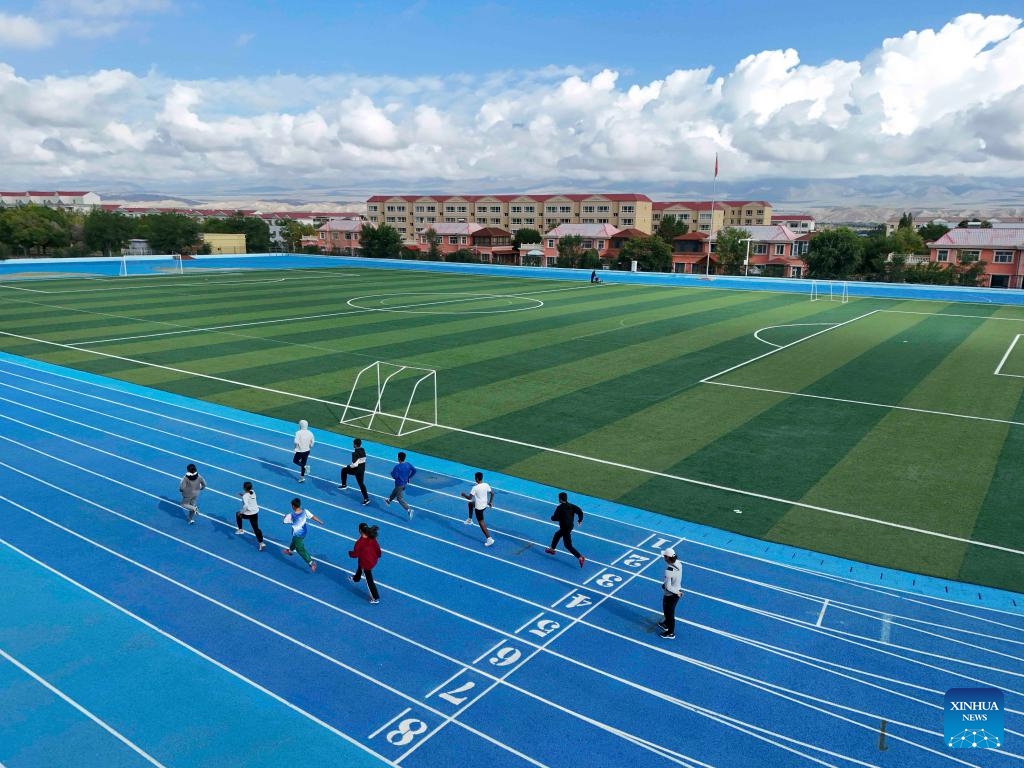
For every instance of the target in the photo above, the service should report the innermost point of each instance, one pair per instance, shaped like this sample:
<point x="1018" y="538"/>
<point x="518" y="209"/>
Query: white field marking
<point x="412" y="308"/>
<point x="821" y="615"/>
<point x="445" y="682"/>
<point x="784" y="325"/>
<point x="163" y="633"/>
<point x="1005" y="356"/>
<point x="389" y="722"/>
<point x="67" y="699"/>
<point x="849" y="582"/>
<point x="886" y="629"/>
<point x="301" y="318"/>
<point x="558" y="451"/>
<point x="708" y="596"/>
<point x="832" y="327"/>
<point x="888" y="406"/>
<point x="951" y="314"/>
<point x="528" y="623"/>
<point x="490" y="650"/>
<point x="756" y="644"/>
<point x="570" y="593"/>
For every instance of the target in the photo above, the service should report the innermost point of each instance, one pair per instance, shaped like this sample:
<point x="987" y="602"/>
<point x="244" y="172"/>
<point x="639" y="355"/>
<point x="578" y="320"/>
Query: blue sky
<point x="510" y="94"/>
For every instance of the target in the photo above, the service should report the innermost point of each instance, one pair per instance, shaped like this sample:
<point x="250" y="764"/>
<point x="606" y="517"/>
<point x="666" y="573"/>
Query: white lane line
<point x="886" y="629"/>
<point x="64" y="697"/>
<point x="821" y="615"/>
<point x="309" y="716"/>
<point x="1007" y="355"/>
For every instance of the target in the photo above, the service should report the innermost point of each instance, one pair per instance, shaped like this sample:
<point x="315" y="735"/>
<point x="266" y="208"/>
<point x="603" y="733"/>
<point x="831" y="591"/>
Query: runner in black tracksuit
<point x="565" y="515"/>
<point x="357" y="468"/>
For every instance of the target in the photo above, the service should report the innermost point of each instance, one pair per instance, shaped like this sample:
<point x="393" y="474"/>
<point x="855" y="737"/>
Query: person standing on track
<point x="299" y="519"/>
<point x="672" y="589"/>
<point x="304" y="441"/>
<point x="565" y="515"/>
<point x="250" y="511"/>
<point x="357" y="469"/>
<point x="367" y="552"/>
<point x="190" y="486"/>
<point x="481" y="496"/>
<point x="402" y="473"/>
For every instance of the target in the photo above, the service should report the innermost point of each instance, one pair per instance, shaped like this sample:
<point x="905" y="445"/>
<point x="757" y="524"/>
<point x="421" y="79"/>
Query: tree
<point x="671" y="227"/>
<point x="834" y="253"/>
<point x="570" y="251"/>
<point x="256" y="231"/>
<point x="906" y="222"/>
<point x="383" y="242"/>
<point x="932" y="232"/>
<point x="652" y="254"/>
<point x="291" y="233"/>
<point x="464" y="256"/>
<point x="434" y="244"/>
<point x="36" y="227"/>
<point x="905" y="240"/>
<point x="168" y="232"/>
<point x="525" y="236"/>
<point x="731" y="250"/>
<point x="106" y="230"/>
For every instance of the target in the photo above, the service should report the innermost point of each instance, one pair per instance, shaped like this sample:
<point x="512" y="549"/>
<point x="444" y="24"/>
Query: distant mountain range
<point x="862" y="198"/>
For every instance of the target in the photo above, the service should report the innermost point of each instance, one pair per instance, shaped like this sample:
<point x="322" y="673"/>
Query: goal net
<point x="391" y="398"/>
<point x="828" y="290"/>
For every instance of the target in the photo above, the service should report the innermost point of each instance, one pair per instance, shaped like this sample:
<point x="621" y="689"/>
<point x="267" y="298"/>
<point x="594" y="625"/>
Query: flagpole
<point x="711" y="229"/>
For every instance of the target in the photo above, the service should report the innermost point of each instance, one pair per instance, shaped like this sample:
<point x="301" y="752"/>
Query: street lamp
<point x="746" y="260"/>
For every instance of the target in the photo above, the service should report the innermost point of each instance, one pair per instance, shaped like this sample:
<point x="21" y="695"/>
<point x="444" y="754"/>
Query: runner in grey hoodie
<point x="190" y="486"/>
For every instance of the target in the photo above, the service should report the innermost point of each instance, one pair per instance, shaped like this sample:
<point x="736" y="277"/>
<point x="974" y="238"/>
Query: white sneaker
<point x="239" y="532"/>
<point x="489" y="542"/>
<point x="409" y="510"/>
<point x="302" y="478"/>
<point x="261" y="547"/>
<point x="387" y="502"/>
<point x="468" y="521"/>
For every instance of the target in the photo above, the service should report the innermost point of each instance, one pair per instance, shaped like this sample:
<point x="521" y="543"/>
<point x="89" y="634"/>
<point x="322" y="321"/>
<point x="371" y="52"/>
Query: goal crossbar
<point x="829" y="290"/>
<point x="424" y="385"/>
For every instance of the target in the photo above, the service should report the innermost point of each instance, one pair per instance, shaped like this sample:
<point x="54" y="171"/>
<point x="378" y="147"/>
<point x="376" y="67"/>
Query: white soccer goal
<point x="828" y="290"/>
<point x="399" y="399"/>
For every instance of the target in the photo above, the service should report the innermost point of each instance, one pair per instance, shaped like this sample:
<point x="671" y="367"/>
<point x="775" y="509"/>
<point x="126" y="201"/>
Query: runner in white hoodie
<point x="304" y="441"/>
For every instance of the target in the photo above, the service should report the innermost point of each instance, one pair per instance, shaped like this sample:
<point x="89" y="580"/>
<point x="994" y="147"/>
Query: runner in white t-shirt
<point x="304" y="441"/>
<point x="481" y="496"/>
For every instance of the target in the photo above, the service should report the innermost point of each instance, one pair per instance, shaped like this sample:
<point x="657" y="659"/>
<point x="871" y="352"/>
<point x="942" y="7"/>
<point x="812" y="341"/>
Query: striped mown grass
<point x="881" y="433"/>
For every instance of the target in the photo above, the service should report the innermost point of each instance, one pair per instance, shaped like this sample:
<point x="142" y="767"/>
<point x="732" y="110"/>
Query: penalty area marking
<point x="414" y="309"/>
<point x="784" y="325"/>
<point x="1006" y="356"/>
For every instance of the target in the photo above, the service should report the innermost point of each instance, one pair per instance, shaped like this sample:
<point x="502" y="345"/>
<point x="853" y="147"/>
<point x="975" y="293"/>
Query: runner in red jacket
<point x="366" y="550"/>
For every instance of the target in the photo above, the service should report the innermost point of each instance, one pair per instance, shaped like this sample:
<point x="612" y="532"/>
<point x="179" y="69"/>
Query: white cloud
<point x="940" y="101"/>
<point x="22" y="32"/>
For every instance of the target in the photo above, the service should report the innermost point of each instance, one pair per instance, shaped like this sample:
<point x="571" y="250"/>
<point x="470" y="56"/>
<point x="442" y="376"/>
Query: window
<point x="600" y="245"/>
<point x="421" y="209"/>
<point x="528" y="209"/>
<point x="551" y="243"/>
<point x="551" y="209"/>
<point x="588" y="221"/>
<point x="796" y="271"/>
<point x="463" y="240"/>
<point x="603" y="209"/>
<point x="588" y="243"/>
<point x="942" y="255"/>
<point x="1003" y="257"/>
<point x="627" y="209"/>
<point x="750" y="212"/>
<point x="565" y="209"/>
<point x="495" y="221"/>
<point x="800" y="249"/>
<point x="780" y="249"/>
<point x="705" y="217"/>
<point x="431" y="209"/>
<point x="627" y="222"/>
<point x="969" y="256"/>
<point x="517" y="209"/>
<point x="453" y="240"/>
<point x="461" y="209"/>
<point x="449" y="209"/>
<point x="371" y="208"/>
<point x="495" y="209"/>
<point x="588" y="209"/>
<point x="391" y="219"/>
<point x="761" y="249"/>
<point x="516" y="221"/>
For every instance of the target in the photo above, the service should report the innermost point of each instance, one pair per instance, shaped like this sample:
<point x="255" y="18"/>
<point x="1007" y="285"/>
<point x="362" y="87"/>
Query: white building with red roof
<point x="66" y="200"/>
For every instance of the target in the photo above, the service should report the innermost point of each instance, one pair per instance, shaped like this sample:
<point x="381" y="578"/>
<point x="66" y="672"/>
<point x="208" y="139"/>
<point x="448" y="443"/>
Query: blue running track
<point x="129" y="638"/>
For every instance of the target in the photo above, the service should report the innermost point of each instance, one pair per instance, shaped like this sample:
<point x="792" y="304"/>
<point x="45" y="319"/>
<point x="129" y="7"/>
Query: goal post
<point x="830" y="290"/>
<point x="392" y="398"/>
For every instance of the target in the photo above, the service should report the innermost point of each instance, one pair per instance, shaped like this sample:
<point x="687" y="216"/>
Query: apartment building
<point x="596" y="237"/>
<point x="413" y="214"/>
<point x="774" y="251"/>
<point x="69" y="201"/>
<point x="702" y="216"/>
<point x="340" y="235"/>
<point x="801" y="223"/>
<point x="1001" y="249"/>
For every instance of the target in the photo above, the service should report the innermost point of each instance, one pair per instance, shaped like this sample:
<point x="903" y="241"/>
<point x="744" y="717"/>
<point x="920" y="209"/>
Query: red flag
<point x="716" y="165"/>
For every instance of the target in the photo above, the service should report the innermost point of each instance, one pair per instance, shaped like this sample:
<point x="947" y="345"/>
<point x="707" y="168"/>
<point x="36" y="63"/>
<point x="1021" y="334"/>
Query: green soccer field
<point x="884" y="431"/>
